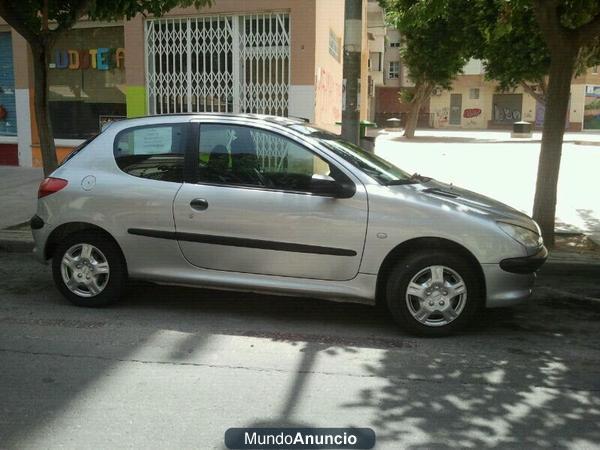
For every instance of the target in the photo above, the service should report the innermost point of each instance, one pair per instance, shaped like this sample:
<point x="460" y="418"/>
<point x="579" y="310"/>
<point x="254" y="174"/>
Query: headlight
<point x="523" y="236"/>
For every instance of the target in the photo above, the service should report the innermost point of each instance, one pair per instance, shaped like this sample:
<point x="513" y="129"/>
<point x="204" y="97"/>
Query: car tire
<point x="433" y="293"/>
<point x="89" y="270"/>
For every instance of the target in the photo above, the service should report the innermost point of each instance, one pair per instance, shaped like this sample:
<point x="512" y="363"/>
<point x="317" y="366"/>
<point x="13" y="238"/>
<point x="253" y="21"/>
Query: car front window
<point x="377" y="168"/>
<point x="247" y="156"/>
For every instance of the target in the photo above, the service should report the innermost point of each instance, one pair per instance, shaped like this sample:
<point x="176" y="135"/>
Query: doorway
<point x="455" y="109"/>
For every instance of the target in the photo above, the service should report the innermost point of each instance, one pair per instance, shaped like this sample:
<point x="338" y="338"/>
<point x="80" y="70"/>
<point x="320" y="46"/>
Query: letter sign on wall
<point x="102" y="58"/>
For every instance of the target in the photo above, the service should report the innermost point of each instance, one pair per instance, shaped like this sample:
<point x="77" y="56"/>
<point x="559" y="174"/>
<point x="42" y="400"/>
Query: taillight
<point x="50" y="186"/>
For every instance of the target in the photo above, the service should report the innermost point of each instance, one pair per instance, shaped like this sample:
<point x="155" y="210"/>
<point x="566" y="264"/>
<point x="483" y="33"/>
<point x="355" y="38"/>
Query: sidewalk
<point x="450" y="135"/>
<point x="18" y="194"/>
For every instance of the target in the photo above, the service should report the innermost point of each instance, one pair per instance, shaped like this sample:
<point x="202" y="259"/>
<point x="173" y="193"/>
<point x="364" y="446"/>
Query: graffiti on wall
<point x="469" y="113"/>
<point x="441" y="116"/>
<point x="504" y="114"/>
<point x="328" y="97"/>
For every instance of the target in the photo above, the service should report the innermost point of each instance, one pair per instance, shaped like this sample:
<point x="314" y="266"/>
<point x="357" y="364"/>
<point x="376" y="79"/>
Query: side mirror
<point x="326" y="186"/>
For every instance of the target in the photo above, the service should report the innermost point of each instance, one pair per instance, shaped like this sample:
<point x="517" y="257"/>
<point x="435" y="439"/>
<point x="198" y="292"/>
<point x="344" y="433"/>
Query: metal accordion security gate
<point x="238" y="64"/>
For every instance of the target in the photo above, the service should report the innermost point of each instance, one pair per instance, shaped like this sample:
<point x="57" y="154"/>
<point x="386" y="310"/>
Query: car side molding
<point x="242" y="242"/>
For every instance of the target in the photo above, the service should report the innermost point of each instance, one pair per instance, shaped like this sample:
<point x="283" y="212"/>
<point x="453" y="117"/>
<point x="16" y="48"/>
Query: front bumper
<point x="505" y="288"/>
<point x="511" y="281"/>
<point x="525" y="264"/>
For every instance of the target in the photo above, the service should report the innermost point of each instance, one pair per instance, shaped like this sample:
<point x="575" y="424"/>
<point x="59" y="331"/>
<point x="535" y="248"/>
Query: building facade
<point x="475" y="103"/>
<point x="278" y="57"/>
<point x="390" y="76"/>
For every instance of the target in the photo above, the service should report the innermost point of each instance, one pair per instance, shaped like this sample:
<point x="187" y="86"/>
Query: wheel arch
<point x="418" y="244"/>
<point x="66" y="229"/>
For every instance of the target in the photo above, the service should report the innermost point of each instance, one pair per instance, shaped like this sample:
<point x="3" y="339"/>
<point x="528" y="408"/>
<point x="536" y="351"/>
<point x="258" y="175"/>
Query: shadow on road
<point x="477" y="402"/>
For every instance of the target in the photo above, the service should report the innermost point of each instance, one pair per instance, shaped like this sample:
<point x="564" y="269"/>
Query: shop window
<point x="507" y="108"/>
<point x="394" y="70"/>
<point x="86" y="81"/>
<point x="8" y="112"/>
<point x="474" y="93"/>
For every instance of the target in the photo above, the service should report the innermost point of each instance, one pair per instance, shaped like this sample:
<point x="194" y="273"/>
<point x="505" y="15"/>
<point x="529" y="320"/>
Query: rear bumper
<point x="40" y="231"/>
<point x="505" y="288"/>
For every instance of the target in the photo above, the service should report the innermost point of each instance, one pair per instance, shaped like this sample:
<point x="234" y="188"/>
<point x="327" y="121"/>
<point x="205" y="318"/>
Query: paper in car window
<point x="152" y="141"/>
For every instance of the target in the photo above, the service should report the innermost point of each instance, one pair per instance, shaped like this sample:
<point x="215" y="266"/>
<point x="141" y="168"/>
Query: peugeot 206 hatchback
<point x="265" y="204"/>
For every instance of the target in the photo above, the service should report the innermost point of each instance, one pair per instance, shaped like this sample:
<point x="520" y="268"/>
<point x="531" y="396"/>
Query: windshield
<point x="377" y="168"/>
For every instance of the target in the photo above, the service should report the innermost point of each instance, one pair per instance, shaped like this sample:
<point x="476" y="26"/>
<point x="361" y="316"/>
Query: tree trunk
<point x="352" y="70"/>
<point x="557" y="102"/>
<point x="42" y="107"/>
<point x="422" y="93"/>
<point x="536" y="95"/>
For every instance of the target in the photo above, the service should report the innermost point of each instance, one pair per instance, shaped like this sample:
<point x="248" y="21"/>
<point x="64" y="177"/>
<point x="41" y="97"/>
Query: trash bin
<point x="521" y="129"/>
<point x="366" y="142"/>
<point x="394" y="123"/>
<point x="364" y="124"/>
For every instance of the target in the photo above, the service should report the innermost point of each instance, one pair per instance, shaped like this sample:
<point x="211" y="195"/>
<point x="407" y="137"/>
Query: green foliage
<point x="28" y="17"/>
<point x="578" y="12"/>
<point x="437" y="40"/>
<point x="441" y="35"/>
<point x="513" y="49"/>
<point x="406" y="95"/>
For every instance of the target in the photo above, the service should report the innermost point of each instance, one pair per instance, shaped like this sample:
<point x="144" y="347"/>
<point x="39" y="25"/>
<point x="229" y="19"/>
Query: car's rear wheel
<point x="88" y="269"/>
<point x="433" y="293"/>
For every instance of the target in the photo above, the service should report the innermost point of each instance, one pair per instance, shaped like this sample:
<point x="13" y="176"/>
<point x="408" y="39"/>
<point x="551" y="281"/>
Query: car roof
<point x="283" y="121"/>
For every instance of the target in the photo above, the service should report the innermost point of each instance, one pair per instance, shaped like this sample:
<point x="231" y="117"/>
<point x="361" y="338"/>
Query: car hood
<point x="477" y="203"/>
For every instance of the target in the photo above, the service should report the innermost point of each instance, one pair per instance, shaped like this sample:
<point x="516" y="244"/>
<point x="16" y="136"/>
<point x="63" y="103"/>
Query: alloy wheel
<point x="85" y="270"/>
<point x="436" y="296"/>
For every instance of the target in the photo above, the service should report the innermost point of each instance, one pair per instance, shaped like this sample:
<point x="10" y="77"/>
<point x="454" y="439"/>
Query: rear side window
<point x="155" y="152"/>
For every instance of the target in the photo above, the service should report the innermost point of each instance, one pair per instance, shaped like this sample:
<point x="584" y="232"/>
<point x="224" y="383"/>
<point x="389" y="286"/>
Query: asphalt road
<point x="174" y="368"/>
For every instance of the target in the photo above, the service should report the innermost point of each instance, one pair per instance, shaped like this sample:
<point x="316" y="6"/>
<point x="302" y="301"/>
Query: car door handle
<point x="199" y="204"/>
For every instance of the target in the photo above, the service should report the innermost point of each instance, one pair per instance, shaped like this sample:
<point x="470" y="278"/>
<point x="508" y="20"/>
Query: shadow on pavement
<point x="477" y="402"/>
<point x="525" y="377"/>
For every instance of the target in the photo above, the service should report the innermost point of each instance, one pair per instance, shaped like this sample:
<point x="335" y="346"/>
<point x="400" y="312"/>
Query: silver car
<point x="273" y="205"/>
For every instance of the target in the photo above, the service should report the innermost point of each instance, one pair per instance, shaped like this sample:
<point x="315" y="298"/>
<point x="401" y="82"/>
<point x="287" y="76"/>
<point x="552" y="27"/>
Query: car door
<point x="251" y="208"/>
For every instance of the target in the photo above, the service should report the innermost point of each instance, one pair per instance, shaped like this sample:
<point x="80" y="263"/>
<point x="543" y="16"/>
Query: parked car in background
<point x="266" y="204"/>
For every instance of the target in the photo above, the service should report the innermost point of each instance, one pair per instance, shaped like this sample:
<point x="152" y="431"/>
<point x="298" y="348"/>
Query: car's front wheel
<point x="433" y="293"/>
<point x="88" y="269"/>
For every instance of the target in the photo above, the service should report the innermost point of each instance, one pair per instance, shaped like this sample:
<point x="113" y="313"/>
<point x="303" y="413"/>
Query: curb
<point x="573" y="296"/>
<point x="586" y="261"/>
<point x="595" y="143"/>
<point x="16" y="241"/>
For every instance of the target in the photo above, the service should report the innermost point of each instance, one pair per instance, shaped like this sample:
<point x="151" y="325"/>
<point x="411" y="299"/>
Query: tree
<point x="567" y="26"/>
<point x="41" y="22"/>
<point x="436" y="44"/>
<point x="513" y="49"/>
